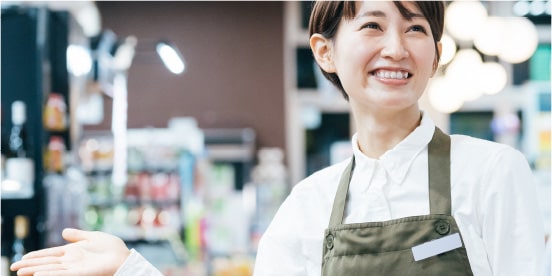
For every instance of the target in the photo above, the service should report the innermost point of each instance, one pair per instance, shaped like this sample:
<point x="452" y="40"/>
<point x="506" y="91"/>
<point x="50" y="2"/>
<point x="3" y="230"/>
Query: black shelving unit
<point x="33" y="60"/>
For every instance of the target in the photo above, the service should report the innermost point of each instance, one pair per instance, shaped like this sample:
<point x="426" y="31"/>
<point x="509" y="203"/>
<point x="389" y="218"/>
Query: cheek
<point x="426" y="61"/>
<point x="354" y="60"/>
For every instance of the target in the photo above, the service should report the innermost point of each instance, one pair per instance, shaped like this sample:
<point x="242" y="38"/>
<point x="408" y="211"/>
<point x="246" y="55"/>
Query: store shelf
<point x="230" y="152"/>
<point x="132" y="202"/>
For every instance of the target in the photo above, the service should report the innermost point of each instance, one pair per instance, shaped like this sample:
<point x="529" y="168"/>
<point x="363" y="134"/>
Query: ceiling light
<point x="461" y="26"/>
<point x="448" y="49"/>
<point x="520" y="41"/>
<point x="521" y="8"/>
<point x="462" y="71"/>
<point x="171" y="58"/>
<point x="537" y="8"/>
<point x="489" y="39"/>
<point x="492" y="78"/>
<point x="443" y="96"/>
<point x="79" y="61"/>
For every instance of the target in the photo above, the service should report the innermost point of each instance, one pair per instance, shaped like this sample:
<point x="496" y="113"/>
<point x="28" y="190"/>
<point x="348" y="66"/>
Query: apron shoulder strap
<point x="439" y="173"/>
<point x="340" y="199"/>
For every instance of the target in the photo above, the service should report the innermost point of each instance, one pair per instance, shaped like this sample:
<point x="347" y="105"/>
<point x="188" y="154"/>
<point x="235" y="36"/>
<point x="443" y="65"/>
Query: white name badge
<point x="436" y="247"/>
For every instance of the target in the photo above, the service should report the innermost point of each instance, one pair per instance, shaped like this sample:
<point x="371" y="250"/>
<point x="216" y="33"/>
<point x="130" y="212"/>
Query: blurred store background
<point x="181" y="126"/>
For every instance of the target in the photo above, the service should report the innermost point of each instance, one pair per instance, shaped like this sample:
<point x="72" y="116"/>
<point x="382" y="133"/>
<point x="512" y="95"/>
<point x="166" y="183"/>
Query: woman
<point x="411" y="201"/>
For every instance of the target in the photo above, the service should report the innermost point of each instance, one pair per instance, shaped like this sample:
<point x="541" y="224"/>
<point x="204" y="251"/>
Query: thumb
<point x="75" y="235"/>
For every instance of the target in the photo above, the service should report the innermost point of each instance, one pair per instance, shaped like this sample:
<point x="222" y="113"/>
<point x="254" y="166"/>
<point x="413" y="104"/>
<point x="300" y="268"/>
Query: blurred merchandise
<point x="55" y="155"/>
<point x="18" y="140"/>
<point x="238" y="265"/>
<point x="66" y="203"/>
<point x="21" y="231"/>
<point x="183" y="189"/>
<point x="270" y="180"/>
<point x="96" y="152"/>
<point x="161" y="180"/>
<point x="19" y="166"/>
<point x="55" y="113"/>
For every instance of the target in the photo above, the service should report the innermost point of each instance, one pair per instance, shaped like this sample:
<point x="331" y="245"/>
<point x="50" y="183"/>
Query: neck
<point x="378" y="133"/>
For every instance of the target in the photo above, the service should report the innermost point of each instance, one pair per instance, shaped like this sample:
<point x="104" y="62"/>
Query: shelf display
<point x="147" y="206"/>
<point x="181" y="187"/>
<point x="37" y="58"/>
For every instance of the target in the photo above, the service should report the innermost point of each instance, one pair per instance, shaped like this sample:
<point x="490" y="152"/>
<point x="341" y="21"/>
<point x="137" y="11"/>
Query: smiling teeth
<point x="392" y="75"/>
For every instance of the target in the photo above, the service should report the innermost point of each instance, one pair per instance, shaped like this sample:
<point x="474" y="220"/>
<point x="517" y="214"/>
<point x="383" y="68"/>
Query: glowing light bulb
<point x="464" y="18"/>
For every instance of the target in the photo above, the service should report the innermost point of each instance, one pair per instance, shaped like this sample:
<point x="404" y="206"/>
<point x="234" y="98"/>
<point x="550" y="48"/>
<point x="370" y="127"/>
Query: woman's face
<point x="382" y="59"/>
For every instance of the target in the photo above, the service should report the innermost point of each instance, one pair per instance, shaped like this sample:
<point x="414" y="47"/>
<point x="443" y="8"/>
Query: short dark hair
<point x="326" y="16"/>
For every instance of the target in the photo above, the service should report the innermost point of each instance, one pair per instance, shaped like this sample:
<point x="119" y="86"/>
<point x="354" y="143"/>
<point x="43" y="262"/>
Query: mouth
<point x="391" y="74"/>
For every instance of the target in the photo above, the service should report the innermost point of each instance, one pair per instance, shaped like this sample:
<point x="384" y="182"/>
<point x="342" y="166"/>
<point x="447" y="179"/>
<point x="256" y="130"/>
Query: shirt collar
<point x="398" y="160"/>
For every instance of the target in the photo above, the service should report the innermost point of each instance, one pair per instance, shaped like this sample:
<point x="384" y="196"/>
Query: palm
<point x="90" y="253"/>
<point x="88" y="258"/>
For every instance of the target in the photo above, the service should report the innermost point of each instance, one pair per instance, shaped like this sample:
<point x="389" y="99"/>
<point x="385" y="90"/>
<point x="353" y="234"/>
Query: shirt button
<point x="329" y="241"/>
<point x="442" y="227"/>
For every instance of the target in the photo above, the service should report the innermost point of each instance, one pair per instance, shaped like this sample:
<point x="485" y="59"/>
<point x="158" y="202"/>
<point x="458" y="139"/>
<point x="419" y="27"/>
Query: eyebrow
<point x="378" y="13"/>
<point x="372" y="13"/>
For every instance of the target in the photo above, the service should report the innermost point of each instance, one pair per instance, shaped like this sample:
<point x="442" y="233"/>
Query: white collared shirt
<point x="493" y="202"/>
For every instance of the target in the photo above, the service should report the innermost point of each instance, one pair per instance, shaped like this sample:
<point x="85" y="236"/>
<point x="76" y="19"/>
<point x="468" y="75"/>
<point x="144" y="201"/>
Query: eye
<point x="371" y="25"/>
<point x="418" y="28"/>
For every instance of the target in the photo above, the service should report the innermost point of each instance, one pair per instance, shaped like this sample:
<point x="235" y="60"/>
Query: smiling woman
<point x="408" y="187"/>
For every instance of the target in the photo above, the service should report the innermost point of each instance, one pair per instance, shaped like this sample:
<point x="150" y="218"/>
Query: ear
<point x="436" y="62"/>
<point x="322" y="50"/>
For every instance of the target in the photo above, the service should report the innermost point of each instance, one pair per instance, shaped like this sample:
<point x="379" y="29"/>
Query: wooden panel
<point x="234" y="57"/>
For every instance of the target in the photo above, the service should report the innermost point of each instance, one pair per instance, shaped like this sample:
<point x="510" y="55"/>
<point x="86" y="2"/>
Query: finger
<point x="54" y="251"/>
<point x="33" y="270"/>
<point x="75" y="235"/>
<point x="55" y="273"/>
<point x="35" y="262"/>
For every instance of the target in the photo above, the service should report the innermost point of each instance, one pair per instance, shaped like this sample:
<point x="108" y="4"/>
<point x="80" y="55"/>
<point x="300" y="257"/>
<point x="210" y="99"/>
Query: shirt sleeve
<point x="279" y="251"/>
<point x="136" y="265"/>
<point x="512" y="226"/>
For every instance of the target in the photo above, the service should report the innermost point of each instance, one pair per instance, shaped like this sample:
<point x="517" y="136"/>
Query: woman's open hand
<point x="88" y="253"/>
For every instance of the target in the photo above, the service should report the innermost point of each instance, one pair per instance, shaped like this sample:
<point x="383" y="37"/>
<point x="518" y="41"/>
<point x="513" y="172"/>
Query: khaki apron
<point x="385" y="248"/>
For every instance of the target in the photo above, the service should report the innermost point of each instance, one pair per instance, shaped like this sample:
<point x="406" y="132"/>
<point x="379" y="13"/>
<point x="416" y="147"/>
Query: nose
<point x="394" y="47"/>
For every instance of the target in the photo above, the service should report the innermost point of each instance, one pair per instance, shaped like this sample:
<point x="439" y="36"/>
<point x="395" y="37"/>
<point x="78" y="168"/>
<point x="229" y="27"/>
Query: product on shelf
<point x="55" y="113"/>
<point x="271" y="186"/>
<point x="21" y="230"/>
<point x="55" y="155"/>
<point x="19" y="167"/>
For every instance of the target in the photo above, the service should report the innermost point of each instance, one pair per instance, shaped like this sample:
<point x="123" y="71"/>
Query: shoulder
<point x="480" y="150"/>
<point x="487" y="162"/>
<point x="319" y="188"/>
